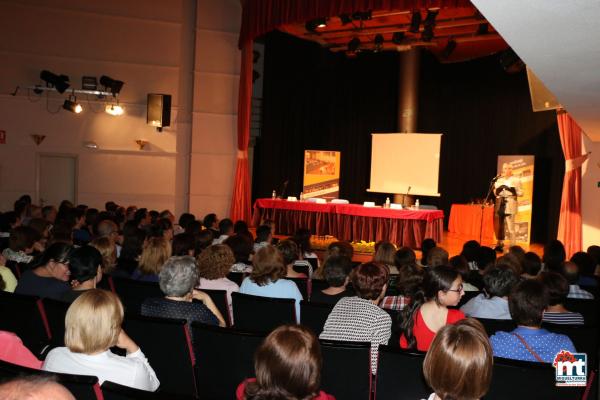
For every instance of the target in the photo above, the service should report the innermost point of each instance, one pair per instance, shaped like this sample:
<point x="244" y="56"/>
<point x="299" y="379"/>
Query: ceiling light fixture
<point x="114" y="85"/>
<point x="114" y="109"/>
<point x="428" y="25"/>
<point x="71" y="105"/>
<point x="59" y="82"/>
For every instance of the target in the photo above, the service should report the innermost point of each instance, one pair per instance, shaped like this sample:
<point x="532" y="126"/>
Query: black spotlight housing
<point x="415" y="21"/>
<point x="378" y="41"/>
<point x="353" y="45"/>
<point x="71" y="105"/>
<point x="345" y="19"/>
<point x="398" y="37"/>
<point x="59" y="82"/>
<point x="114" y="85"/>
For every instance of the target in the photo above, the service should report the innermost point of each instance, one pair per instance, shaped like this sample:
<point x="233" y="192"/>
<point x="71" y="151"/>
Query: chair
<point x="400" y="375"/>
<point x="25" y="316"/>
<point x="494" y="325"/>
<point x="225" y="358"/>
<point x="590" y="309"/>
<point x="354" y="359"/>
<point x="167" y="344"/>
<point x="236" y="277"/>
<point x="513" y="379"/>
<point x="106" y="283"/>
<point x="396" y="317"/>
<point x="83" y="387"/>
<point x="303" y="286"/>
<point x="314" y="263"/>
<point x="314" y="315"/>
<point x="319" y="284"/>
<point x="56" y="312"/>
<point x="219" y="297"/>
<point x="133" y="293"/>
<point x="585" y="338"/>
<point x="261" y="314"/>
<point x="114" y="391"/>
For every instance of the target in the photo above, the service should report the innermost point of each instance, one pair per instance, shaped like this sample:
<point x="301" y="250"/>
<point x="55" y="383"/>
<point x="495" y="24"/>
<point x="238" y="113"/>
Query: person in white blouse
<point x="507" y="188"/>
<point x="92" y="326"/>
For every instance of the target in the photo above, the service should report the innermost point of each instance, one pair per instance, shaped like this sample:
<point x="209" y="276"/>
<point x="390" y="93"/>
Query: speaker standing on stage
<point x="506" y="188"/>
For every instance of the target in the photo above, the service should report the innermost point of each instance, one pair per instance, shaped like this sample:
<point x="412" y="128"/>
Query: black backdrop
<point x="315" y="99"/>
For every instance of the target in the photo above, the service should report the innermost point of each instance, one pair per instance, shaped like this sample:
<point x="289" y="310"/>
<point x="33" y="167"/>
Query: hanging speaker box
<point x="542" y="99"/>
<point x="159" y="110"/>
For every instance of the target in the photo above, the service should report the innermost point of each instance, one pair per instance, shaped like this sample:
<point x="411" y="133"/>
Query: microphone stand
<point x="489" y="192"/>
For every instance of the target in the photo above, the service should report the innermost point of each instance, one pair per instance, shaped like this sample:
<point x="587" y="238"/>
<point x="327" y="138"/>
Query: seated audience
<point x="290" y="254"/>
<point x="558" y="289"/>
<point x="184" y="220"/>
<point x="359" y="318"/>
<point x="554" y="256"/>
<point x="163" y="227"/>
<point x="242" y="248"/>
<point x="22" y="243"/>
<point x="241" y="228"/>
<point x="108" y="251"/>
<point x="13" y="350"/>
<point x="594" y="251"/>
<point x="133" y="243"/>
<point x="287" y="366"/>
<point x="203" y="240"/>
<point x="511" y="260"/>
<point x="49" y="213"/>
<point x="461" y="265"/>
<point x="194" y="228"/>
<point x="335" y="249"/>
<point x="211" y="222"/>
<point x="213" y="266"/>
<point x="570" y="270"/>
<point x="183" y="244"/>
<point x="49" y="276"/>
<point x="177" y="280"/>
<point x="532" y="265"/>
<point x="263" y="237"/>
<point x="85" y="265"/>
<point x="336" y="270"/>
<point x="428" y="310"/>
<point x="92" y="327"/>
<point x="410" y="279"/>
<point x="267" y="278"/>
<point x="426" y="246"/>
<point x="34" y="387"/>
<point x="498" y="281"/>
<point x="404" y="256"/>
<point x="225" y="231"/>
<point x="302" y="238"/>
<point x="384" y="254"/>
<point x="587" y="268"/>
<point x="9" y="281"/>
<point x="436" y="257"/>
<point x="42" y="227"/>
<point x="529" y="342"/>
<point x="469" y="252"/>
<point x="142" y="218"/>
<point x="459" y="362"/>
<point x="154" y="254"/>
<point x="81" y="235"/>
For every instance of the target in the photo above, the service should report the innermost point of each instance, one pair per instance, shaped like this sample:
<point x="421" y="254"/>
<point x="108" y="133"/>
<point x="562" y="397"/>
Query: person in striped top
<point x="558" y="289"/>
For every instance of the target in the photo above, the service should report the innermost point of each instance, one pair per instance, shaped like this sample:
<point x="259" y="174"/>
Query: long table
<point x="352" y="221"/>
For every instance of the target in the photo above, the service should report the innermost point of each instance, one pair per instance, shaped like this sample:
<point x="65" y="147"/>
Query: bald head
<point x="35" y="387"/>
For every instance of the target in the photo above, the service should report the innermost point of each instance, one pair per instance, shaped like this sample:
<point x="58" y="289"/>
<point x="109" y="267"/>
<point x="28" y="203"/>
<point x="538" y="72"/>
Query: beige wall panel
<point x="217" y="52"/>
<point x="215" y="93"/>
<point x="220" y="15"/>
<point x="590" y="194"/>
<point x="214" y="133"/>
<point x="17" y="175"/>
<point x="151" y="202"/>
<point x="202" y="205"/>
<point x="212" y="174"/>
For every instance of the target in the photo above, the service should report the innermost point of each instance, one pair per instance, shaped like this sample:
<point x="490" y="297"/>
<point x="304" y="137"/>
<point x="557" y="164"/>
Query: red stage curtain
<point x="240" y="202"/>
<point x="569" y="224"/>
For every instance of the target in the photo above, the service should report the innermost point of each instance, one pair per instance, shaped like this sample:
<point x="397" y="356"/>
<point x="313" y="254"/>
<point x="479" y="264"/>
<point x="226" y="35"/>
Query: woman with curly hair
<point x="213" y="266"/>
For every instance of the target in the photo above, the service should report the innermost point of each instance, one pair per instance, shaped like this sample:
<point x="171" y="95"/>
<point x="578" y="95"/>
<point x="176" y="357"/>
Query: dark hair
<point x="532" y="263"/>
<point x="368" y="280"/>
<point x="461" y="265"/>
<point x="111" y="206"/>
<point x="160" y="227"/>
<point x="426" y="245"/>
<point x="240" y="227"/>
<point x="554" y="255"/>
<point x="336" y="269"/>
<point x="7" y="220"/>
<point x="340" y="249"/>
<point x="410" y="279"/>
<point x="185" y="219"/>
<point x="527" y="302"/>
<point x="241" y="246"/>
<point x="193" y="227"/>
<point x="485" y="256"/>
<point x="469" y="250"/>
<point x="57" y="252"/>
<point x="437" y="256"/>
<point x="182" y="244"/>
<point x="203" y="240"/>
<point x="84" y="262"/>
<point x="22" y="238"/>
<point x="139" y="215"/>
<point x="132" y="244"/>
<point x="209" y="220"/>
<point x="91" y="216"/>
<point x="287" y="366"/>
<point x="225" y="226"/>
<point x="557" y="286"/>
<point x="499" y="280"/>
<point x="302" y="239"/>
<point x="435" y="279"/>
<point x="47" y="210"/>
<point x="594" y="251"/>
<point x="570" y="270"/>
<point x="405" y="256"/>
<point x="262" y="233"/>
<point x="154" y="215"/>
<point x="585" y="262"/>
<point x="289" y="251"/>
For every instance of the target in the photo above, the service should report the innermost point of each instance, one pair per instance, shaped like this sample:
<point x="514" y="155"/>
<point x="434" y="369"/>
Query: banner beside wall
<point x="523" y="168"/>
<point x="321" y="174"/>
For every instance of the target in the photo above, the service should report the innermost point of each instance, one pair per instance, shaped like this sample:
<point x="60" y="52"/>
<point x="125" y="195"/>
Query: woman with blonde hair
<point x="213" y="266"/>
<point x="108" y="250"/>
<point x="92" y="327"/>
<point x="459" y="362"/>
<point x="384" y="254"/>
<point x="155" y="253"/>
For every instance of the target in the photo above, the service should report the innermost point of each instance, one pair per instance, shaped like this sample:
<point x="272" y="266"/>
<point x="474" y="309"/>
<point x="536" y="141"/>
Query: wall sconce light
<point x="141" y="143"/>
<point x="90" y="145"/>
<point x="38" y="139"/>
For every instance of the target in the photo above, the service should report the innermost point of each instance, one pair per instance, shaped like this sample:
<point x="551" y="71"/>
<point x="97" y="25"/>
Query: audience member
<point x="133" y="243"/>
<point x="558" y="289"/>
<point x="185" y="219"/>
<point x="49" y="213"/>
<point x="203" y="240"/>
<point x="290" y="254"/>
<point x="469" y="251"/>
<point x="554" y="256"/>
<point x="410" y="279"/>
<point x="511" y="260"/>
<point x="287" y="366"/>
<point x="459" y="362"/>
<point x="587" y="268"/>
<point x="194" y="228"/>
<point x="529" y="342"/>
<point x="177" y="280"/>
<point x="34" y="387"/>
<point x="225" y="231"/>
<point x="85" y="265"/>
<point x="42" y="227"/>
<point x="436" y="257"/>
<point x="594" y="251"/>
<point x="108" y="251"/>
<point x="13" y="350"/>
<point x="156" y="251"/>
<point x="428" y="310"/>
<point x="334" y="249"/>
<point x="263" y="237"/>
<point x="336" y="270"/>
<point x="142" y="218"/>
<point x="50" y="274"/>
<point x="532" y="265"/>
<point x="570" y="270"/>
<point x="9" y="281"/>
<point x="426" y="245"/>
<point x="22" y="243"/>
<point x="241" y="228"/>
<point x="404" y="256"/>
<point x="242" y="248"/>
<point x="183" y="245"/>
<point x="498" y="281"/>
<point x="92" y="327"/>
<point x="302" y="238"/>
<point x="461" y="265"/>
<point x="213" y="266"/>
<point x="211" y="222"/>
<point x="384" y="254"/>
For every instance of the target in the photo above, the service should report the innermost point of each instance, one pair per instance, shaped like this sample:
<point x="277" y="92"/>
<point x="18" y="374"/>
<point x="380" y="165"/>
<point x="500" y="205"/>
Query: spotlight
<point x="428" y="25"/>
<point x="71" y="105"/>
<point x="427" y="34"/>
<point x="450" y="46"/>
<point x="398" y="37"/>
<point x="415" y="22"/>
<point x="345" y="19"/>
<point x="114" y="85"/>
<point x="114" y="109"/>
<point x="59" y="82"/>
<point x="314" y="24"/>
<point x="353" y="45"/>
<point x="378" y="42"/>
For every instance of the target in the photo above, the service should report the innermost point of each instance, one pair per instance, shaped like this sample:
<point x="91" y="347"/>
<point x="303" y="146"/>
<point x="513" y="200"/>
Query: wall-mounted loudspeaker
<point x="542" y="99"/>
<point x="159" y="110"/>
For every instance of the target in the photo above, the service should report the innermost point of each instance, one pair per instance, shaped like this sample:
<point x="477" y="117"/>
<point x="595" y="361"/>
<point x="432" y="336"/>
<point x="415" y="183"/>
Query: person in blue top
<point x="529" y="342"/>
<point x="267" y="276"/>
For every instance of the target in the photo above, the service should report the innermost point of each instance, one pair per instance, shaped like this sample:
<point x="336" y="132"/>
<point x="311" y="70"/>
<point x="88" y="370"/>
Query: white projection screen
<point x="403" y="160"/>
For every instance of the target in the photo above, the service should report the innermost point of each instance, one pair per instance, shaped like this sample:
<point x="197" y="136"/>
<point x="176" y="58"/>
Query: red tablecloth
<point x="352" y="221"/>
<point x="465" y="219"/>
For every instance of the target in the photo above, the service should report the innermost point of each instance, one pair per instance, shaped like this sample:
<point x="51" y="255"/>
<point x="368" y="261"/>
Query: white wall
<point x="590" y="192"/>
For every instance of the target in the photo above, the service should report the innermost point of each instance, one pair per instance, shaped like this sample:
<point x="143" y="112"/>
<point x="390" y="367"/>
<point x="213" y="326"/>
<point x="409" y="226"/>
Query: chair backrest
<point x="106" y="283"/>
<point x="319" y="284"/>
<point x="590" y="309"/>
<point x="314" y="262"/>
<point x="585" y="338"/>
<point x="400" y="375"/>
<point x="114" y="391"/>
<point x="83" y="387"/>
<point x="302" y="284"/>
<point x="168" y="346"/>
<point x="527" y="380"/>
<point x="56" y="311"/>
<point x="219" y="297"/>
<point x="494" y="325"/>
<point x="354" y="359"/>
<point x="14" y="267"/>
<point x="225" y="357"/>
<point x="314" y="315"/>
<point x="261" y="314"/>
<point x="133" y="293"/>
<point x="25" y="316"/>
<point x="236" y="277"/>
<point x="396" y="317"/>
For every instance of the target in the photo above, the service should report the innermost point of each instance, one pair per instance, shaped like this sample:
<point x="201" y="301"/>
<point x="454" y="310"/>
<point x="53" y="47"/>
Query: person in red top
<point x="14" y="351"/>
<point x="428" y="312"/>
<point x="287" y="366"/>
